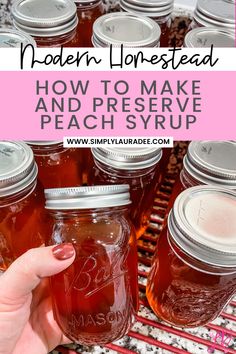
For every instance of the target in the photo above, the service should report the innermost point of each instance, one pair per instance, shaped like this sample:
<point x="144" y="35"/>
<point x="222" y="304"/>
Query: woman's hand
<point x="26" y="321"/>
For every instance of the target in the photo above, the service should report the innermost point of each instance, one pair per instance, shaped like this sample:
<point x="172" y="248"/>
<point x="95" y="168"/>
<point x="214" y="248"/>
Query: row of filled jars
<point x="140" y="23"/>
<point x="193" y="275"/>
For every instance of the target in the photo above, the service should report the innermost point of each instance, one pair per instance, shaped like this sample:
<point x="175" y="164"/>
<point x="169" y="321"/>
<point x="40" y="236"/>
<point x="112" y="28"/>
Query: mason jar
<point x="207" y="162"/>
<point x="193" y="276"/>
<point x="94" y="300"/>
<point x="159" y="10"/>
<point x="205" y="37"/>
<point x="58" y="166"/>
<point x="210" y="162"/>
<point x="125" y="28"/>
<point x="11" y="38"/>
<point x="214" y="13"/>
<point x="51" y="23"/>
<point x="87" y="12"/>
<point x="138" y="167"/>
<point x="21" y="202"/>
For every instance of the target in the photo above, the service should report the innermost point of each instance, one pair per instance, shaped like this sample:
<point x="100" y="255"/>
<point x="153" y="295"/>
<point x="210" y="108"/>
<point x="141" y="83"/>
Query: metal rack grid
<point x="149" y="334"/>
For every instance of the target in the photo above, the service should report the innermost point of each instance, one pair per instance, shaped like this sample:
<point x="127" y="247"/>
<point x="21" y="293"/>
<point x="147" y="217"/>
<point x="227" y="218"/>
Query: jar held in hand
<point x="96" y="298"/>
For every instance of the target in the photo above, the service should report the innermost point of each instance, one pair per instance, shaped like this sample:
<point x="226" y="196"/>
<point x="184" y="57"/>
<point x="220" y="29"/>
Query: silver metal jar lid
<point x="11" y="38"/>
<point x="17" y="167"/>
<point x="44" y="18"/>
<point x="87" y="197"/>
<point x="203" y="224"/>
<point x="152" y="8"/>
<point x="212" y="162"/>
<point x="128" y="158"/>
<point x="204" y="37"/>
<point x="125" y="28"/>
<point x="86" y="2"/>
<point x="217" y="13"/>
<point x="43" y="143"/>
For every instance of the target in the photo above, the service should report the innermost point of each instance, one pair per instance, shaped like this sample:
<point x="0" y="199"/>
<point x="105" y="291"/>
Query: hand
<point x="26" y="321"/>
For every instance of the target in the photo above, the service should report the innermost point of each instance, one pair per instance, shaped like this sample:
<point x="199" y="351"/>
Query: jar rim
<point x="12" y="38"/>
<point x="50" y="18"/>
<point x="128" y="158"/>
<point x="199" y="265"/>
<point x="211" y="162"/>
<point x="204" y="37"/>
<point x="86" y="2"/>
<point x="18" y="167"/>
<point x="198" y="227"/>
<point x="118" y="28"/>
<point x="154" y="8"/>
<point x="218" y="13"/>
<point x="43" y="142"/>
<point x="88" y="197"/>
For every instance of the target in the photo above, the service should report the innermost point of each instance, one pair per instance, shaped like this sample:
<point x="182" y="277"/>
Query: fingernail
<point x="63" y="251"/>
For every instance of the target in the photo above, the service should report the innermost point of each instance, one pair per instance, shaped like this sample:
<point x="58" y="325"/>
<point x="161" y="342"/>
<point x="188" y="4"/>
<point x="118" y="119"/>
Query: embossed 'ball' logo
<point x="92" y="276"/>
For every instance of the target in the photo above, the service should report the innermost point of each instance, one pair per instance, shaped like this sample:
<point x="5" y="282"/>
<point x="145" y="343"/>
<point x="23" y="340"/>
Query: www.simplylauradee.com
<point x="118" y="58"/>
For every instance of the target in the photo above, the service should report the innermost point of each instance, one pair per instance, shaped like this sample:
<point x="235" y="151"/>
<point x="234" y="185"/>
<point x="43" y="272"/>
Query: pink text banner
<point x="183" y="105"/>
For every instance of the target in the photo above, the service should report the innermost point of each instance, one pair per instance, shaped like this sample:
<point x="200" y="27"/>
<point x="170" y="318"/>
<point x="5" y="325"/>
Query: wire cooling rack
<point x="149" y="334"/>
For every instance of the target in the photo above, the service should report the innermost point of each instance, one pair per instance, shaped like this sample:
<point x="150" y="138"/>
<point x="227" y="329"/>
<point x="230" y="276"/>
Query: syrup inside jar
<point x="21" y="203"/>
<point x="96" y="298"/>
<point x="87" y="13"/>
<point x="138" y="167"/>
<point x="58" y="166"/>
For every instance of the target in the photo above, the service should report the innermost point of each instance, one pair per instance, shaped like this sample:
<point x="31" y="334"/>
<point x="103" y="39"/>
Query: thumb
<point x="26" y="272"/>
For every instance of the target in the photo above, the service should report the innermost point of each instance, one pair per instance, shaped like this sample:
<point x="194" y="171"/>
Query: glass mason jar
<point x="204" y="37"/>
<point x="159" y="10"/>
<point x="214" y="13"/>
<point x="138" y="167"/>
<point x="51" y="23"/>
<point x="128" y="29"/>
<point x="207" y="163"/>
<point x="58" y="166"/>
<point x="193" y="276"/>
<point x="96" y="298"/>
<point x="11" y="38"/>
<point x="87" y="12"/>
<point x="21" y="202"/>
